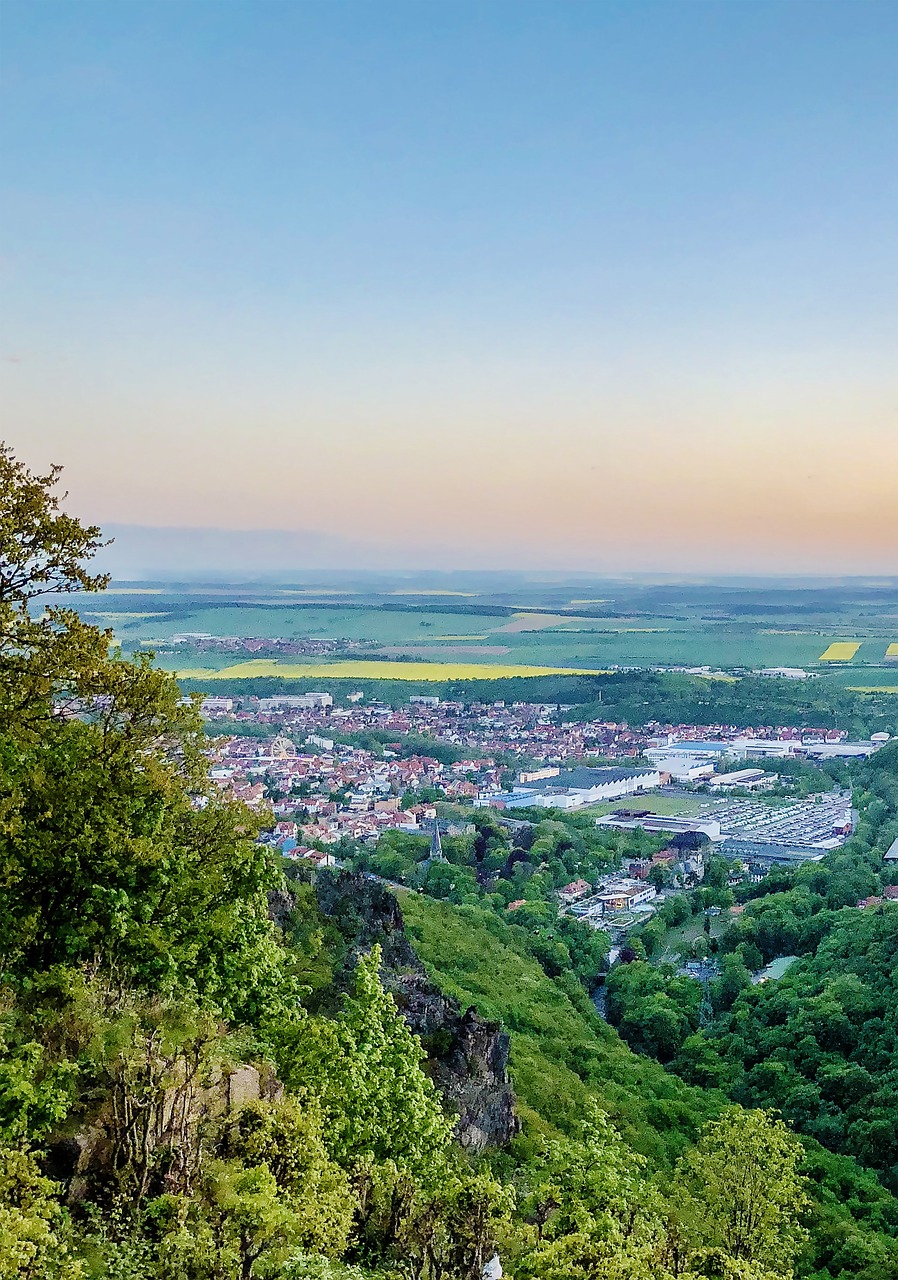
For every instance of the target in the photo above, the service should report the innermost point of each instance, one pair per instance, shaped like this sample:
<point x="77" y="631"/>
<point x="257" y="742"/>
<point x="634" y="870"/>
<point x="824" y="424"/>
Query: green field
<point x="665" y="806"/>
<point x="676" y="943"/>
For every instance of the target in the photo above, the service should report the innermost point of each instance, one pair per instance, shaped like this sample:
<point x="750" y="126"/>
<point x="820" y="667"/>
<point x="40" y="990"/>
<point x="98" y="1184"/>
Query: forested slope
<point x="563" y="1056"/>
<point x="821" y="1043"/>
<point x="562" y="1053"/>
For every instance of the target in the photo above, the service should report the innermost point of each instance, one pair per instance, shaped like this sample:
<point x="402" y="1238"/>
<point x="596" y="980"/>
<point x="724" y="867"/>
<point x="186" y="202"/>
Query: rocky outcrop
<point x="281" y="903"/>
<point x="148" y="1133"/>
<point x="367" y="913"/>
<point x="467" y="1056"/>
<point x="468" y="1059"/>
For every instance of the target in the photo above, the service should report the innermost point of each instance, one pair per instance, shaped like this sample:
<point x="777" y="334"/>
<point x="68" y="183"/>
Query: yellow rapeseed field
<point x="840" y="651"/>
<point x="892" y="651"/>
<point x="360" y="670"/>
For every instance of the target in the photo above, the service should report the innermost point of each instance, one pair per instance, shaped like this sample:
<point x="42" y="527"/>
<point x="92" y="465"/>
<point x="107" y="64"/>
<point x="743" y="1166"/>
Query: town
<point x="330" y="773"/>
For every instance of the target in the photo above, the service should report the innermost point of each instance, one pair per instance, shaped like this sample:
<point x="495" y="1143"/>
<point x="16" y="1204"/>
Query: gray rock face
<point x="171" y="1117"/>
<point x="467" y="1056"/>
<point x="242" y="1087"/>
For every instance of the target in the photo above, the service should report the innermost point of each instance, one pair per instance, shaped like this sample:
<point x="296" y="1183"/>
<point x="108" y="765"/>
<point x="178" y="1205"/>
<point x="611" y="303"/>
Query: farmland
<point x="360" y="670"/>
<point x="841" y="651"/>
<point x="456" y="626"/>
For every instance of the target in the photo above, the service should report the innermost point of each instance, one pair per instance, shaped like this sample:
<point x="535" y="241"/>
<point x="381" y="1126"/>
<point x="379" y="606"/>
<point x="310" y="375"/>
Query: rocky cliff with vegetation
<point x="467" y="1056"/>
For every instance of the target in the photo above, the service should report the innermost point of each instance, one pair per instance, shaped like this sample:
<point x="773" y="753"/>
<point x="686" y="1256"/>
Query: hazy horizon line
<point x="140" y="553"/>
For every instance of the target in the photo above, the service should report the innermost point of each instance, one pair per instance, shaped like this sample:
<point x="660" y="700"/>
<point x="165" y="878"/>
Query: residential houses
<point x="310" y="773"/>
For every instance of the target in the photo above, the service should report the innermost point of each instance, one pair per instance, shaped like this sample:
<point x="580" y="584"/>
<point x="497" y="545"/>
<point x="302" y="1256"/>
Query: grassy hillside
<point x="562" y="1053"/>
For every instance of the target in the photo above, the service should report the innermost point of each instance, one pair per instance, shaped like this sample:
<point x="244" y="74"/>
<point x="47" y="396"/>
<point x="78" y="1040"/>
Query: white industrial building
<point x="628" y="821"/>
<point x="296" y="702"/>
<point x="694" y="750"/>
<point x="761" y="749"/>
<point x="685" y="768"/>
<point x="787" y="673"/>
<point x="743" y="779"/>
<point x="840" y="750"/>
<point x="702" y="752"/>
<point x="574" y="788"/>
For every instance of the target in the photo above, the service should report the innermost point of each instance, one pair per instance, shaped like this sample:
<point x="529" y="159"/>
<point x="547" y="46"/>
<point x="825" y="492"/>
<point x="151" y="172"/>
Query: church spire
<point x="436" y="846"/>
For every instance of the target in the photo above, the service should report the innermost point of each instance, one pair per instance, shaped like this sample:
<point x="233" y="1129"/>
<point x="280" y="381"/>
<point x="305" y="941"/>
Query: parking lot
<point x="802" y="824"/>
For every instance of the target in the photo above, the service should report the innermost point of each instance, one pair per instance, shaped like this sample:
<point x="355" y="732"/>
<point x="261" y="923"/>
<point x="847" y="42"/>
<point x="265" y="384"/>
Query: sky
<point x="592" y="284"/>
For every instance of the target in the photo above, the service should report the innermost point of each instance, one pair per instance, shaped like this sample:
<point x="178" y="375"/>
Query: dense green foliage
<point x="639" y="696"/>
<point x="562" y="1052"/>
<point x="564" y="1058"/>
<point x="821" y="1043"/>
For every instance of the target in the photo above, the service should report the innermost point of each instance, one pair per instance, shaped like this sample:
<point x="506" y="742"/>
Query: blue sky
<point x="305" y="265"/>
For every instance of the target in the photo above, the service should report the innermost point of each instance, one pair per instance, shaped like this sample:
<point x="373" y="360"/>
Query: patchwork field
<point x="454" y="623"/>
<point x="536" y="622"/>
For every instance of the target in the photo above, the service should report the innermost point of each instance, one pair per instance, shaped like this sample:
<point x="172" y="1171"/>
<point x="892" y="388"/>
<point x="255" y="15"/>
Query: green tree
<point x="34" y="1240"/>
<point x="744" y="1191"/>
<point x="660" y="876"/>
<point x="366" y="1067"/>
<point x="44" y="652"/>
<point x="448" y="1229"/>
<point x="114" y="852"/>
<point x="35" y="1089"/>
<point x="288" y="1140"/>
<point x="443" y="880"/>
<point x="734" y="979"/>
<point x="107" y="861"/>
<point x="592" y="1209"/>
<point x="716" y="873"/>
<point x="239" y="1218"/>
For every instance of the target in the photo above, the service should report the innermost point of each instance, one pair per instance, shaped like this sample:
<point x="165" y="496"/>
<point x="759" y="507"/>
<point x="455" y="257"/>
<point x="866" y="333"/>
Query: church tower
<point x="436" y="846"/>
